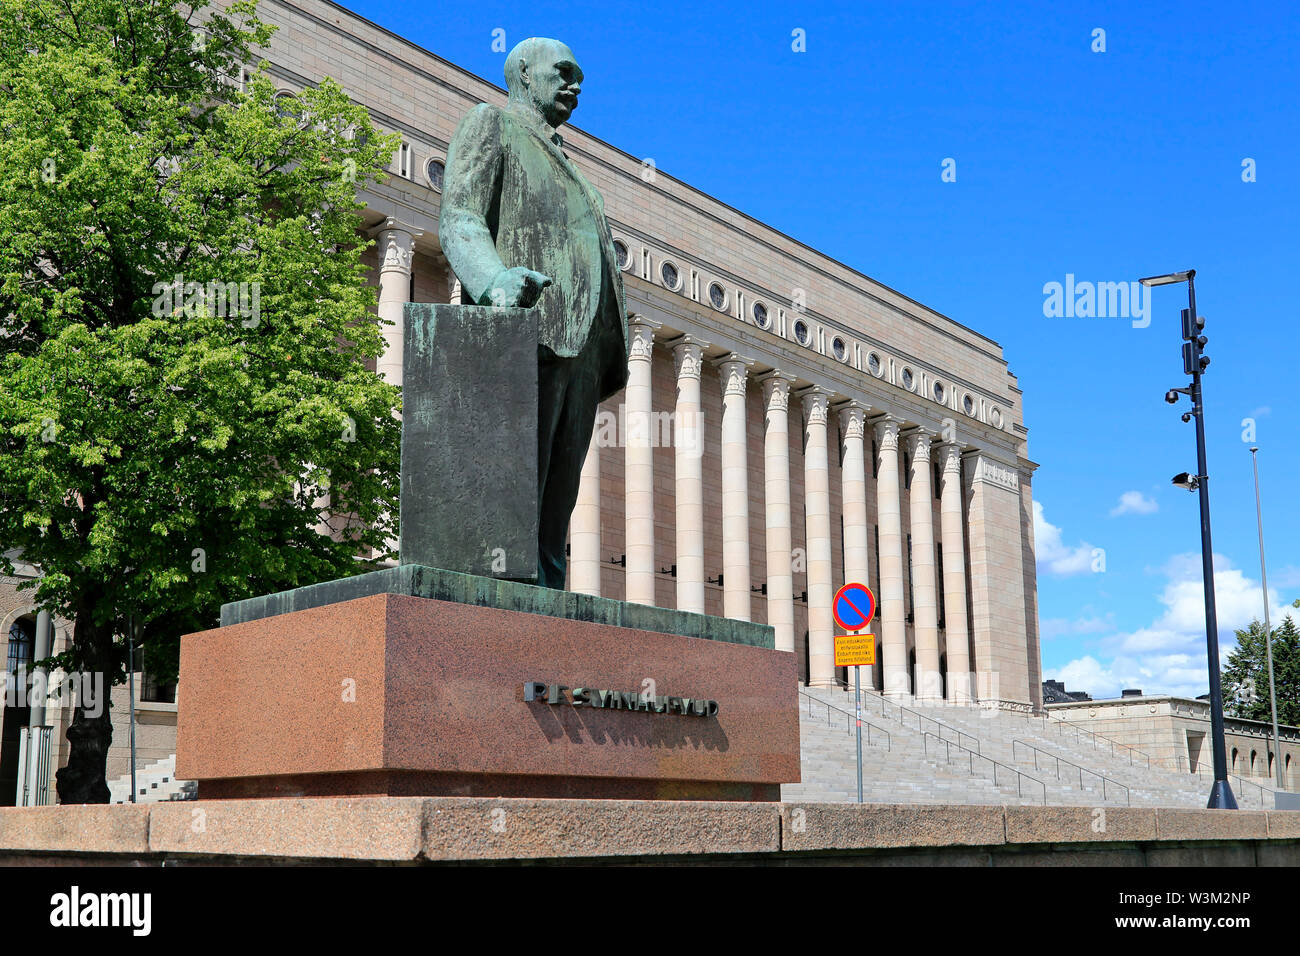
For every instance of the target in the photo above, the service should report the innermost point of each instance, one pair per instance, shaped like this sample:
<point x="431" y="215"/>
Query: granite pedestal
<point x="411" y="683"/>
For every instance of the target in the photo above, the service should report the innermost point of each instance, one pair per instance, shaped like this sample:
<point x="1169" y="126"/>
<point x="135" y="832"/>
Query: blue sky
<point x="1106" y="165"/>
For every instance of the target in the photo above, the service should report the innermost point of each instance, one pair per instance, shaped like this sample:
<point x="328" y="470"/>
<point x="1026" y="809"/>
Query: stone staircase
<point x="921" y="753"/>
<point x="154" y="783"/>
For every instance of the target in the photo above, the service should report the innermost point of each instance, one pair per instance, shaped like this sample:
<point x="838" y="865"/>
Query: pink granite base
<point x="405" y="696"/>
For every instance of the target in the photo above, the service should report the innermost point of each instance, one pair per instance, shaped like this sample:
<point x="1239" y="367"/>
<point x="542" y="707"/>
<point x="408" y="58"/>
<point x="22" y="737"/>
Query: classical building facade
<point x="790" y="424"/>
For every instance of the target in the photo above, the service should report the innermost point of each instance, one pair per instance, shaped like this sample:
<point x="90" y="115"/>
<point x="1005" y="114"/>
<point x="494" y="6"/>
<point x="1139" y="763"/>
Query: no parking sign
<point x="854" y="606"/>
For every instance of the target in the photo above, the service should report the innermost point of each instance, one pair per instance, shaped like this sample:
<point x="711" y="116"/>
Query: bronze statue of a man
<point x="521" y="226"/>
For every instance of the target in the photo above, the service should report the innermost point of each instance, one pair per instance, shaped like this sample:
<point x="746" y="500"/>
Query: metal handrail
<point x="920" y="717"/>
<point x="971" y="755"/>
<point x="851" y="717"/>
<point x="1128" y="796"/>
<point x="1061" y="722"/>
<point x="1202" y="771"/>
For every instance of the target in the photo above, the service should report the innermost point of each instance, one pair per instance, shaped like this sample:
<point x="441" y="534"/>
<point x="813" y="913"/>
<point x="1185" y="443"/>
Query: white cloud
<point x="1054" y="556"/>
<point x="1134" y="503"/>
<point x="1168" y="656"/>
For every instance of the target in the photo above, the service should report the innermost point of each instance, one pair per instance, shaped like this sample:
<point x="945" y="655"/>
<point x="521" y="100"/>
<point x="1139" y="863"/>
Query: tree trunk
<point x="84" y="779"/>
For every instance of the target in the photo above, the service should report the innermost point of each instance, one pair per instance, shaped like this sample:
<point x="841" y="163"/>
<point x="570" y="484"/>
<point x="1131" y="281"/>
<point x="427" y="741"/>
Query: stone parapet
<point x="462" y="829"/>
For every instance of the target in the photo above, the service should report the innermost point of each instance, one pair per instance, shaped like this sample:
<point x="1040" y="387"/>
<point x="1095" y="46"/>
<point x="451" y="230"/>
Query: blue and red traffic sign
<point x="854" y="606"/>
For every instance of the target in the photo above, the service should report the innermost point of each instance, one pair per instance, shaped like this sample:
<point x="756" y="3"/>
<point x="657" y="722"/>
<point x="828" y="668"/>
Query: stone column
<point x="687" y="437"/>
<point x="396" y="249"/>
<point x="639" y="480"/>
<point x="584" y="526"/>
<point x="396" y="245"/>
<point x="454" y="291"/>
<point x="735" y="488"/>
<point x="925" y="597"/>
<point x="776" y="486"/>
<point x="817" y="507"/>
<point x="853" y="486"/>
<point x="952" y="532"/>
<point x="893" y="611"/>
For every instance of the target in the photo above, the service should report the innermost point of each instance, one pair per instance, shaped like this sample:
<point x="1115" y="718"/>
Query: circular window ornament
<point x="874" y="365"/>
<point x="435" y="170"/>
<point x="802" y="334"/>
<point x="718" y="296"/>
<point x="908" y="380"/>
<point x="620" y="252"/>
<point x="761" y="317"/>
<point x="940" y="393"/>
<point x="968" y="405"/>
<point x="839" y="349"/>
<point x="995" y="417"/>
<point x="671" y="278"/>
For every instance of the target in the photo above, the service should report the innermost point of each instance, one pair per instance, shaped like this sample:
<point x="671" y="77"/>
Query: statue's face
<point x="554" y="82"/>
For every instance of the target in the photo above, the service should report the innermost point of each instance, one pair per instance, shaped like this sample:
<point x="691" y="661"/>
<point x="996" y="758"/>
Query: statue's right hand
<point x="517" y="287"/>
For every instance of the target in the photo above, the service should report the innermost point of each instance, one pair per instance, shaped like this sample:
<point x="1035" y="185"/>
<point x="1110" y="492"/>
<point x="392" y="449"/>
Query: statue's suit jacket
<point x="512" y="198"/>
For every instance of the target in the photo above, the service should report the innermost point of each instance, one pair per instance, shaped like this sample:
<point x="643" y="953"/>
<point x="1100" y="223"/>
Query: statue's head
<point x="544" y="74"/>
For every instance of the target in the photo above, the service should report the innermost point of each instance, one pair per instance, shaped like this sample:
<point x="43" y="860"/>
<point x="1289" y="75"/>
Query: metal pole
<point x="130" y="657"/>
<point x="1268" y="630"/>
<point x="1221" y="797"/>
<point x="857" y="702"/>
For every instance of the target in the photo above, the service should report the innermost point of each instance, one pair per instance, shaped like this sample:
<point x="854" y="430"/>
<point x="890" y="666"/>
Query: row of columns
<point x="688" y="358"/>
<point x="396" y="243"/>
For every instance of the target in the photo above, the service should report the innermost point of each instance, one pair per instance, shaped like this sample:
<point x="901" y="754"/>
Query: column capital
<point x="887" y="427"/>
<point x="776" y="389"/>
<point x="396" y="241"/>
<point x="816" y="400"/>
<point x="735" y="371"/>
<point x="688" y="356"/>
<point x="853" y="418"/>
<point x="918" y="442"/>
<point x="950" y="452"/>
<point x="641" y="332"/>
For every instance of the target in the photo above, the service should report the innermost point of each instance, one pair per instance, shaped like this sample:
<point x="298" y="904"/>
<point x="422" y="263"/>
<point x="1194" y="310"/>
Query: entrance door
<point x="22" y="639"/>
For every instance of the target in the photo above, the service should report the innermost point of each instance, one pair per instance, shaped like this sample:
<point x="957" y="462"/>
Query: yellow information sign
<point x="855" y="650"/>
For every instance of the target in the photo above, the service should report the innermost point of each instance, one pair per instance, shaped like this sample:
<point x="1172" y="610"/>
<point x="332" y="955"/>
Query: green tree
<point x="1245" y="678"/>
<point x="185" y="326"/>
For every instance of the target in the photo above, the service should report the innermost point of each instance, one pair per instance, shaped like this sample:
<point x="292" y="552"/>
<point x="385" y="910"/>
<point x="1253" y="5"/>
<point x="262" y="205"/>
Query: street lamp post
<point x="1268" y="631"/>
<point x="1194" y="363"/>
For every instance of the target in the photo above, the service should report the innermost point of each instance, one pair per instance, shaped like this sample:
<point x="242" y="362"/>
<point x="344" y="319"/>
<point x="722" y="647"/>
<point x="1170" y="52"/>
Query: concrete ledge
<point x="106" y="828"/>
<point x="1080" y="824"/>
<point x="522" y="829"/>
<point x="389" y="830"/>
<point x="842" y="826"/>
<point x="385" y="828"/>
<point x="1211" y="824"/>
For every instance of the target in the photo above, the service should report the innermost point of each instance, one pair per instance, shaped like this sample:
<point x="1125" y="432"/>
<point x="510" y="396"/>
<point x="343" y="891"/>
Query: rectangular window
<point x="154" y="691"/>
<point x="877" y="567"/>
<point x="875" y="460"/>
<point x="938" y="563"/>
<point x="404" y="164"/>
<point x="907" y="470"/>
<point x="911" y="609"/>
<point x="937" y="476"/>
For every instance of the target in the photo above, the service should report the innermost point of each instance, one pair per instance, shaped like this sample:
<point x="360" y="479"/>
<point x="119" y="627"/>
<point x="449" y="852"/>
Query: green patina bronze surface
<point x="442" y="585"/>
<point x="522" y="228"/>
<point x="469" y="440"/>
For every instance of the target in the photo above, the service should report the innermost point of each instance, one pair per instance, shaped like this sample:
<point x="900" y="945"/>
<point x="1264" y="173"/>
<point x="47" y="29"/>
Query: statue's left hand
<point x="517" y="287"/>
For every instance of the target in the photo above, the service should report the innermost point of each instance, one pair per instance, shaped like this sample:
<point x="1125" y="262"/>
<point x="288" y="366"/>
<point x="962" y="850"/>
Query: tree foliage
<point x="1245" y="678"/>
<point x="162" y="451"/>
